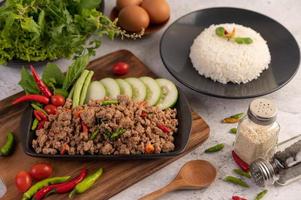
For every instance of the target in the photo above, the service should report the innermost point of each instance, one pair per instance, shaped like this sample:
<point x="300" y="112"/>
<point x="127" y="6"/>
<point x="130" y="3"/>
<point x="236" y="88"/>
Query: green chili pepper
<point x="87" y="183"/>
<point x="233" y="130"/>
<point x="34" y="124"/>
<point x="7" y="148"/>
<point x="242" y="173"/>
<point x="236" y="181"/>
<point x="36" y="107"/>
<point x="237" y="116"/>
<point x="109" y="102"/>
<point x="117" y="133"/>
<point x="94" y="134"/>
<point x="220" y="31"/>
<point x="36" y="187"/>
<point x="215" y="148"/>
<point x="261" y="194"/>
<point x="243" y="40"/>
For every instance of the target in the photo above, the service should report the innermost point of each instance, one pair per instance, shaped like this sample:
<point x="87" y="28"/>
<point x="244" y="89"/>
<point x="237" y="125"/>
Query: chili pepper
<point x="109" y="102"/>
<point x="86" y="183"/>
<point x="32" y="97"/>
<point x="64" y="149"/>
<point x="43" y="88"/>
<point x="242" y="164"/>
<point x="40" y="115"/>
<point x="143" y="114"/>
<point x="236" y="181"/>
<point x="94" y="134"/>
<point x="48" y="181"/>
<point x="36" y="107"/>
<point x="215" y="148"/>
<point x="164" y="128"/>
<point x="233" y="130"/>
<point x="242" y="173"/>
<point x="238" y="198"/>
<point x="261" y="194"/>
<point x="60" y="188"/>
<point x="7" y="148"/>
<point x="233" y="118"/>
<point x="40" y="125"/>
<point x="34" y="124"/>
<point x="85" y="128"/>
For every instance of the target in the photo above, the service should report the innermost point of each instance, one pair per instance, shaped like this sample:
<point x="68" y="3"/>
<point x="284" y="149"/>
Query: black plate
<point x="177" y="39"/>
<point x="181" y="136"/>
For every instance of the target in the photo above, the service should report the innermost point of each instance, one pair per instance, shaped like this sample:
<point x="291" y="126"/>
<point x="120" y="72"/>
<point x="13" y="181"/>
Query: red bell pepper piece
<point x="242" y="164"/>
<point x="164" y="128"/>
<point x="41" y="85"/>
<point x="60" y="188"/>
<point x="32" y="97"/>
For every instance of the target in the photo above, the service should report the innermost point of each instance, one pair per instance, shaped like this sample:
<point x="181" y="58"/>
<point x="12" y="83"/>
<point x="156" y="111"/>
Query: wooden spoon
<point x="195" y="174"/>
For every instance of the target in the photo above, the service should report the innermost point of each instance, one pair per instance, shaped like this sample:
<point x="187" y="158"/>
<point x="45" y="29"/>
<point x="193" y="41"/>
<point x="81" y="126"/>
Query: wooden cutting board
<point x="118" y="174"/>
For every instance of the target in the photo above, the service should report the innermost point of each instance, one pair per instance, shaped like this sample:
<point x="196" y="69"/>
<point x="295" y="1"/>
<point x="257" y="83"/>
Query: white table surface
<point x="212" y="109"/>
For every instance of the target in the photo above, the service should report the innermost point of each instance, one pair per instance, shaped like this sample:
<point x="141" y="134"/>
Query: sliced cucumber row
<point x="160" y="92"/>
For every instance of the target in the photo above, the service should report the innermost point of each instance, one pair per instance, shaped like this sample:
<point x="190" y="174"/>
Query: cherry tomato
<point x="120" y="68"/>
<point x="23" y="181"/>
<point x="57" y="100"/>
<point x="50" y="109"/>
<point x="41" y="171"/>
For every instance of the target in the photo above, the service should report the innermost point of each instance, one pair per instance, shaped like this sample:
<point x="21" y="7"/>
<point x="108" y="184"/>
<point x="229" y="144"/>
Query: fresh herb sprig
<point x="221" y="32"/>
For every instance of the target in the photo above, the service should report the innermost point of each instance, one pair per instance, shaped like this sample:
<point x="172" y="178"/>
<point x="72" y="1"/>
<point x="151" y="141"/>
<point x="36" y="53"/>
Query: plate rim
<point x="222" y="96"/>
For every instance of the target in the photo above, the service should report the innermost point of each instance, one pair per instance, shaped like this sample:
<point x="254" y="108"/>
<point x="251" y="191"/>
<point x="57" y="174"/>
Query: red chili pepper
<point x="41" y="125"/>
<point x="43" y="88"/>
<point x="238" y="198"/>
<point x="37" y="116"/>
<point x="32" y="97"/>
<point x="85" y="128"/>
<point x="163" y="128"/>
<point x="60" y="188"/>
<point x="242" y="164"/>
<point x="64" y="149"/>
<point x="143" y="114"/>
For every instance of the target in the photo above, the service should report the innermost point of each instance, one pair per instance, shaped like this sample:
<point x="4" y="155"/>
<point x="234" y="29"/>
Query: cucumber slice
<point x="95" y="91"/>
<point x="153" y="90"/>
<point x="111" y="87"/>
<point x="169" y="93"/>
<point x="125" y="87"/>
<point x="139" y="89"/>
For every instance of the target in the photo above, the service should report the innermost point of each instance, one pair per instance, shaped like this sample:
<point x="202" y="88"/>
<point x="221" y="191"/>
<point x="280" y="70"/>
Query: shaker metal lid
<point x="262" y="111"/>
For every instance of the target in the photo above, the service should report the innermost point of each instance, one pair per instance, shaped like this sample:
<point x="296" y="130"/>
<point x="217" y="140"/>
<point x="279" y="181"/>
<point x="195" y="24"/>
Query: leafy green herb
<point x="52" y="75"/>
<point x="37" y="30"/>
<point x="236" y="181"/>
<point x="27" y="82"/>
<point x="233" y="130"/>
<point x="243" y="40"/>
<point x="215" y="148"/>
<point x="220" y="31"/>
<point x="75" y="70"/>
<point x="261" y="194"/>
<point x="117" y="133"/>
<point x="242" y="173"/>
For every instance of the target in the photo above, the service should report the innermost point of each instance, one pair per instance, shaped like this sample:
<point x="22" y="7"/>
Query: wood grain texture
<point x="118" y="174"/>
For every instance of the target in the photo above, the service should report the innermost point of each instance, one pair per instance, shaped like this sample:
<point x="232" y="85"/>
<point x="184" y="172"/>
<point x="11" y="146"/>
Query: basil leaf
<point x="53" y="75"/>
<point x="27" y="82"/>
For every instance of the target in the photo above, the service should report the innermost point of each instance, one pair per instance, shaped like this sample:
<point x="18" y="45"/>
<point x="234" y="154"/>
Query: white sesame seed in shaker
<point x="257" y="133"/>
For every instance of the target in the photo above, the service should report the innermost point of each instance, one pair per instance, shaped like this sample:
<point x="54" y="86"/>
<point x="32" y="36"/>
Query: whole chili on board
<point x="234" y="118"/>
<point x="7" y="148"/>
<point x="36" y="107"/>
<point x="242" y="164"/>
<point x="60" y="188"/>
<point x="32" y="97"/>
<point x="215" y="148"/>
<point x="164" y="128"/>
<point x="34" y="124"/>
<point x="41" y="85"/>
<point x="39" y="115"/>
<point x="236" y="181"/>
<point x="48" y="181"/>
<point x="87" y="183"/>
<point x="40" y="125"/>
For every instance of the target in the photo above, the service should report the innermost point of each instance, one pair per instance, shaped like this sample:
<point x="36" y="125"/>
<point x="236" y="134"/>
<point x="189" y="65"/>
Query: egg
<point x="133" y="18"/>
<point x="124" y="3"/>
<point x="158" y="10"/>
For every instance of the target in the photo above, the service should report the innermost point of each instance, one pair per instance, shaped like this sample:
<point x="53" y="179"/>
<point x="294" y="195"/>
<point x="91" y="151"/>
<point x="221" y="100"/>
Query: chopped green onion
<point x="220" y="31"/>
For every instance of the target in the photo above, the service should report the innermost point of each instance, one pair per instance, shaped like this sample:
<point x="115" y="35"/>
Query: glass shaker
<point x="257" y="132"/>
<point x="283" y="168"/>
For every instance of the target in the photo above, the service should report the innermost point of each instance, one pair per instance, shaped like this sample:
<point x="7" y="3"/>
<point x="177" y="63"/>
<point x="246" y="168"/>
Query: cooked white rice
<point x="226" y="61"/>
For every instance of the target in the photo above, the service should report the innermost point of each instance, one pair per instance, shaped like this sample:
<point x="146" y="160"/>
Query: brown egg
<point x="158" y="10"/>
<point x="133" y="18"/>
<point x="124" y="3"/>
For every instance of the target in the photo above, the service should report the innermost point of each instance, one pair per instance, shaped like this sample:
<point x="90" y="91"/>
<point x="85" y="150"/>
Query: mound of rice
<point x="226" y="61"/>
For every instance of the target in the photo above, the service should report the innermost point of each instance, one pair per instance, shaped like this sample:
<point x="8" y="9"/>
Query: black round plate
<point x="177" y="39"/>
